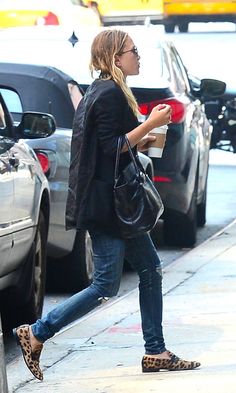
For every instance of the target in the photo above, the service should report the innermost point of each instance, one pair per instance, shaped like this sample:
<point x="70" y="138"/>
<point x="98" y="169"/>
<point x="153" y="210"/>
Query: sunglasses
<point x="134" y="50"/>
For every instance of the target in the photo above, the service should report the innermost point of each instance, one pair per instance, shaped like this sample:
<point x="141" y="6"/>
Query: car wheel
<point x="77" y="267"/>
<point x="201" y="209"/>
<point x="183" y="27"/>
<point x="181" y="230"/>
<point x="32" y="309"/>
<point x="169" y="27"/>
<point x="80" y="263"/>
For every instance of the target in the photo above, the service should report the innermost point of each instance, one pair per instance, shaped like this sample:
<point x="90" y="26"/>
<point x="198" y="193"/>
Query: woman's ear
<point x="117" y="61"/>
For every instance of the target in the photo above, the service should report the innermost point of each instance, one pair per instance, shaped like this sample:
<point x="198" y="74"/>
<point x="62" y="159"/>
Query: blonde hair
<point x="105" y="46"/>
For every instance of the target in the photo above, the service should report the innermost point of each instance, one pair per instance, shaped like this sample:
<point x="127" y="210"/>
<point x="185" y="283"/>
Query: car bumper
<point x="209" y="8"/>
<point x="133" y="19"/>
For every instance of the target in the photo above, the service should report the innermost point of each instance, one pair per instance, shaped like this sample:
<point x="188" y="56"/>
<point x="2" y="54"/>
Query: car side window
<point x="180" y="85"/>
<point x="2" y="118"/>
<point x="182" y="68"/>
<point x="5" y="120"/>
<point x="75" y="94"/>
<point x="13" y="103"/>
<point x="165" y="66"/>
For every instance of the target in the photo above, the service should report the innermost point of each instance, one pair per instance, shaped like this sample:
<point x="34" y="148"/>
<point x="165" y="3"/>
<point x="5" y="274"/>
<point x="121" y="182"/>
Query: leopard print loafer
<point x="31" y="357"/>
<point x="152" y="364"/>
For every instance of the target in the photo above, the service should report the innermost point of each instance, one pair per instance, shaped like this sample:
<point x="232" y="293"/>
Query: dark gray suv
<point x="24" y="216"/>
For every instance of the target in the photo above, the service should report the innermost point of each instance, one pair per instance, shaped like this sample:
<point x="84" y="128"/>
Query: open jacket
<point x="102" y="116"/>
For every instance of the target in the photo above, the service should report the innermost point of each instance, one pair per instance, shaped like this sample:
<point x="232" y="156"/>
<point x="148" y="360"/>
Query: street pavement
<point x="101" y="352"/>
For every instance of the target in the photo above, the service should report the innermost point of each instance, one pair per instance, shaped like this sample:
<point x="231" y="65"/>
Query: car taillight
<point x="178" y="108"/>
<point x="49" y="19"/>
<point x="44" y="161"/>
<point x="161" y="179"/>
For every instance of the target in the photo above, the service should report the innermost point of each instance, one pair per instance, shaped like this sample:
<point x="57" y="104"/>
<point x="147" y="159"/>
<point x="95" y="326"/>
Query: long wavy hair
<point x="106" y="45"/>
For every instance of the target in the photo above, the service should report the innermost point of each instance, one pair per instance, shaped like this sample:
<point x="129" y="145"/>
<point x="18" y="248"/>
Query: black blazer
<point x="102" y="116"/>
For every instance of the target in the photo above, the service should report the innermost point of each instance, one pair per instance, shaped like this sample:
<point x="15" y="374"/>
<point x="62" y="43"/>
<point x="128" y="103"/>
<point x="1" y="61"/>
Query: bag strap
<point x="118" y="153"/>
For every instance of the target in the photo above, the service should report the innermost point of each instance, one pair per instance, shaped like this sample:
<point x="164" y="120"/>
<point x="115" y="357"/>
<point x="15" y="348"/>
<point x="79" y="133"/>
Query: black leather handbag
<point x="138" y="204"/>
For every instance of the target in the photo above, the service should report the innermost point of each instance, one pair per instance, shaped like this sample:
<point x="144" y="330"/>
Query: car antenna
<point x="73" y="39"/>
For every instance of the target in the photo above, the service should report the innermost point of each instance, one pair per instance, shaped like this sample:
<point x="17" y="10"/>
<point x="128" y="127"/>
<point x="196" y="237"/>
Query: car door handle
<point x="14" y="161"/>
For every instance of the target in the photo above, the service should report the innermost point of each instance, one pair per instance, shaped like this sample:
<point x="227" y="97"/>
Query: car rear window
<point x="154" y="71"/>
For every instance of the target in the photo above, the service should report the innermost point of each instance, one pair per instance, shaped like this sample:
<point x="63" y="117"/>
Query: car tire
<point x="32" y="309"/>
<point x="201" y="209"/>
<point x="180" y="230"/>
<point x="183" y="27"/>
<point x="169" y="27"/>
<point x="77" y="267"/>
<point x="80" y="263"/>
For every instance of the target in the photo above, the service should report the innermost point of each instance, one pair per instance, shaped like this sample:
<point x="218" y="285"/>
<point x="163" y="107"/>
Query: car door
<point x="203" y="128"/>
<point x="22" y="165"/>
<point x="6" y="196"/>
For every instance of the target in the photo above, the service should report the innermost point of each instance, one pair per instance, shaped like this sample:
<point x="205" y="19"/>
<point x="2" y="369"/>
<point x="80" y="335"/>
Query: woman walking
<point x="107" y="112"/>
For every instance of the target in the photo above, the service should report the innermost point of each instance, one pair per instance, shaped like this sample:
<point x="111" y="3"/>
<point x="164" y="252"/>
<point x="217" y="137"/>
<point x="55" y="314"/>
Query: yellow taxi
<point x="114" y="12"/>
<point x="73" y="13"/>
<point x="181" y="12"/>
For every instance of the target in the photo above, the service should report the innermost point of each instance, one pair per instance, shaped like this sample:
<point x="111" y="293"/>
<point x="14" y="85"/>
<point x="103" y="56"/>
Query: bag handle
<point x="118" y="153"/>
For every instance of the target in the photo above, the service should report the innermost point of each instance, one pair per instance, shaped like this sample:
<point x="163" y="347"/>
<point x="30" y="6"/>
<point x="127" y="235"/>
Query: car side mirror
<point x="212" y="88"/>
<point x="36" y="125"/>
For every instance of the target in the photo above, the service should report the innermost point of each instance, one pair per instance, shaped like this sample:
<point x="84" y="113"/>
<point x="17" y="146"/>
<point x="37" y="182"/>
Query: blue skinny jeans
<point x="109" y="253"/>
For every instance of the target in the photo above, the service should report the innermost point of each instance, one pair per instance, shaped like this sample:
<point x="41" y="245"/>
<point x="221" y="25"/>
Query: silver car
<point x="24" y="216"/>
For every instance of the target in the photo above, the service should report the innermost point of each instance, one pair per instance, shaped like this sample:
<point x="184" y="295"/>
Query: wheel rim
<point x="89" y="256"/>
<point x="38" y="270"/>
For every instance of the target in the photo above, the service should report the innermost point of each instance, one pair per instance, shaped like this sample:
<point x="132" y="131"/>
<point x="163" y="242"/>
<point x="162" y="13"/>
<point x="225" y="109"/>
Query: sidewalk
<point x="101" y="353"/>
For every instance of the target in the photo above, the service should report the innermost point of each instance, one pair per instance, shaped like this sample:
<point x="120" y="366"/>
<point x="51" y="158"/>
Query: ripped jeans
<point x="108" y="254"/>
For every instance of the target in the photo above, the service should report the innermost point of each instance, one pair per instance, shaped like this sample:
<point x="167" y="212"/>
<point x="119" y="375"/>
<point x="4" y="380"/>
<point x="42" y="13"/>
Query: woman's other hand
<point x="159" y="116"/>
<point x="144" y="142"/>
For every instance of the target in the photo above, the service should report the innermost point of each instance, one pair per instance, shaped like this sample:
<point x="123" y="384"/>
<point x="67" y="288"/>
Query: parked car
<point x="181" y="12"/>
<point x="57" y="93"/>
<point x="24" y="216"/>
<point x="181" y="174"/>
<point x="71" y="13"/>
<point x="115" y="12"/>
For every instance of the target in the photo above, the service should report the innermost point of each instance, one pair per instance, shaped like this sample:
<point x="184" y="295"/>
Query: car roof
<point x="40" y="88"/>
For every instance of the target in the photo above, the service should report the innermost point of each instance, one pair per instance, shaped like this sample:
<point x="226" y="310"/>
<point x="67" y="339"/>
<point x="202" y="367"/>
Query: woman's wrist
<point x="148" y="126"/>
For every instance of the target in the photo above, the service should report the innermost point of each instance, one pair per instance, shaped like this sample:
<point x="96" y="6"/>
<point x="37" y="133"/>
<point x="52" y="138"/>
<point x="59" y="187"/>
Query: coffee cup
<point x="155" y="148"/>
